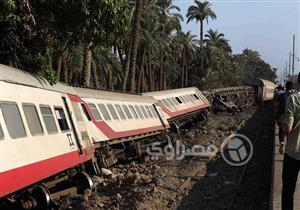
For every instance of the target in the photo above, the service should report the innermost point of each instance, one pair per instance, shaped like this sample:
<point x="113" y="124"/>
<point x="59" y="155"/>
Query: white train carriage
<point x="39" y="138"/>
<point x="119" y="121"/>
<point x="181" y="105"/>
<point x="264" y="90"/>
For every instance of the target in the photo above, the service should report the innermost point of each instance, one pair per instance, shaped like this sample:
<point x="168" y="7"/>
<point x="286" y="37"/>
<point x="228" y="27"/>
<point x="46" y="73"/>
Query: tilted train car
<point x="181" y="105"/>
<point x="263" y="89"/>
<point x="41" y="141"/>
<point x="120" y="121"/>
<point x="48" y="134"/>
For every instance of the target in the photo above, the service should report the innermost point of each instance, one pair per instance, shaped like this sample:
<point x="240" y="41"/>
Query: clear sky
<point x="262" y="25"/>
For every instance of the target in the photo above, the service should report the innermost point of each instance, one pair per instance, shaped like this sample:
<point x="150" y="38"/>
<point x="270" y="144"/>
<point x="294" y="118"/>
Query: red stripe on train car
<point x="108" y="131"/>
<point x="184" y="111"/>
<point x="21" y="177"/>
<point x="111" y="134"/>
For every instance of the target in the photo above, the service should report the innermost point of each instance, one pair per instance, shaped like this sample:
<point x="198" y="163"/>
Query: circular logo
<point x="237" y="150"/>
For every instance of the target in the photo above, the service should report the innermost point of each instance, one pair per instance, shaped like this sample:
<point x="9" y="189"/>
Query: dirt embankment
<point x="194" y="182"/>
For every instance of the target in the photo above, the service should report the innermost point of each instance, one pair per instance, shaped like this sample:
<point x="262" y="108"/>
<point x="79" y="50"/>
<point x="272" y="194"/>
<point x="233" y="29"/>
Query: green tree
<point x="202" y="11"/>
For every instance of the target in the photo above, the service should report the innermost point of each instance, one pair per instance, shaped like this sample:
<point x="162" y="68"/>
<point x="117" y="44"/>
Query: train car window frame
<point x="137" y="108"/>
<point x="153" y="111"/>
<point x="104" y="111"/>
<point x="182" y="99"/>
<point x="175" y="101"/>
<point x="166" y="103"/>
<point x="188" y="97"/>
<point x="62" y="121"/>
<point x="149" y="111"/>
<point x="133" y="112"/>
<point x="179" y="100"/>
<point x="77" y="111"/>
<point x="85" y="111"/>
<point x="195" y="95"/>
<point x="112" y="112"/>
<point x="170" y="101"/>
<point x="127" y="112"/>
<point x="1" y="133"/>
<point x="120" y="111"/>
<point x="30" y="120"/>
<point x="52" y="119"/>
<point x="144" y="111"/>
<point x="94" y="111"/>
<point x="192" y="97"/>
<point x="11" y="126"/>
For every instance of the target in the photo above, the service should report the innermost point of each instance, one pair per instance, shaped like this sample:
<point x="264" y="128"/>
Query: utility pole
<point x="293" y="63"/>
<point x="290" y="65"/>
<point x="286" y="71"/>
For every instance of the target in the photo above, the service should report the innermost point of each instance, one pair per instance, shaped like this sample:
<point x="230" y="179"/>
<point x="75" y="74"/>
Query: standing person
<point x="281" y="100"/>
<point x="291" y="162"/>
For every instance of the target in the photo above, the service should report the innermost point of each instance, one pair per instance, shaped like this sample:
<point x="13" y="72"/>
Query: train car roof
<point x="16" y="76"/>
<point x="260" y="82"/>
<point x="164" y="92"/>
<point x="100" y="94"/>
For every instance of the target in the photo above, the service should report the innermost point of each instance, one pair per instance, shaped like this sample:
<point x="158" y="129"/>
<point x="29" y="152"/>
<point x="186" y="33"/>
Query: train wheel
<point x="38" y="199"/>
<point x="83" y="182"/>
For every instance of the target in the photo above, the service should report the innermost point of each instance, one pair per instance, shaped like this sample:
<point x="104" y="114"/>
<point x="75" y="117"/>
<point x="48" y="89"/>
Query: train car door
<point x="77" y="140"/>
<point x="82" y="127"/>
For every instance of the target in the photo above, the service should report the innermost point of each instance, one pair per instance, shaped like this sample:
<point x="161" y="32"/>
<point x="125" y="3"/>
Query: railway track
<point x="245" y="167"/>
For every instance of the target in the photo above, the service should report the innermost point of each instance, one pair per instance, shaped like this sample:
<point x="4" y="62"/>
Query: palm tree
<point x="200" y="12"/>
<point x="187" y="44"/>
<point x="216" y="39"/>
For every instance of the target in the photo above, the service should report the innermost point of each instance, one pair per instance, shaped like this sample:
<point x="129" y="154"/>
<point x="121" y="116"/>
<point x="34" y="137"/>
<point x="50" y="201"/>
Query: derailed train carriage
<point x="263" y="89"/>
<point x="43" y="146"/>
<point x="181" y="106"/>
<point x="124" y="125"/>
<point x="53" y="136"/>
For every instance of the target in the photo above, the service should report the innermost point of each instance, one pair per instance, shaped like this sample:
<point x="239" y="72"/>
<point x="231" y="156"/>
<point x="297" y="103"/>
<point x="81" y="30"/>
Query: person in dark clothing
<point x="291" y="162"/>
<point x="281" y="100"/>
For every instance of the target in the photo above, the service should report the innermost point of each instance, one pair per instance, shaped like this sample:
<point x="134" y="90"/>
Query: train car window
<point x="165" y="102"/>
<point x="170" y="102"/>
<point x="174" y="101"/>
<point x="178" y="99"/>
<point x="133" y="112"/>
<point x="182" y="99"/>
<point x="77" y="111"/>
<point x="13" y="120"/>
<point x="192" y="97"/>
<point x="112" y="112"/>
<point x="85" y="111"/>
<point x="148" y="111"/>
<point x="94" y="111"/>
<point x="137" y="108"/>
<point x="32" y="119"/>
<point x="104" y="111"/>
<point x="127" y="112"/>
<point x="120" y="111"/>
<point x="61" y="118"/>
<point x="1" y="133"/>
<point x="186" y="98"/>
<point x="196" y="97"/>
<point x="153" y="111"/>
<point x="48" y="119"/>
<point x="189" y="97"/>
<point x="144" y="111"/>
